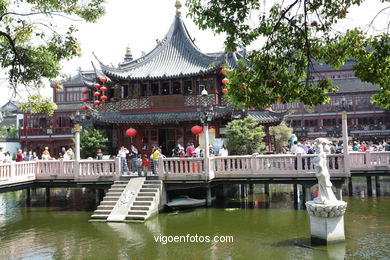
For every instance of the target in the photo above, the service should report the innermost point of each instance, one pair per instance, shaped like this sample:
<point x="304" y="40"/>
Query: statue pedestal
<point x="326" y="222"/>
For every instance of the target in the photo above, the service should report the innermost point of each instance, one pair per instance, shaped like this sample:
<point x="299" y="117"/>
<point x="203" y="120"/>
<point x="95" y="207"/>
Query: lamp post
<point x="344" y="105"/>
<point x="77" y="129"/>
<point x="206" y="116"/>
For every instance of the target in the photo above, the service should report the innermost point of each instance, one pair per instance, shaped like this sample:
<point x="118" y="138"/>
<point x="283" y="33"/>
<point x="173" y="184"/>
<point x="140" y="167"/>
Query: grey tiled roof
<point x="321" y="67"/>
<point x="175" y="56"/>
<point x="156" y="118"/>
<point x="348" y="85"/>
<point x="262" y="117"/>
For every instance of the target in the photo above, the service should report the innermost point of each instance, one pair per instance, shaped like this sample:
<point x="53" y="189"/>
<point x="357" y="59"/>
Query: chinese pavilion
<point x="159" y="94"/>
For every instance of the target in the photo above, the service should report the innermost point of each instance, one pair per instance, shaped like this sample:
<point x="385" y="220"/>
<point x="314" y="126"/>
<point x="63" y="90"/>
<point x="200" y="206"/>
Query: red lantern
<point x="85" y="91"/>
<point x="103" y="97"/>
<point x="103" y="88"/>
<point x="96" y="85"/>
<point x="278" y="101"/>
<point x="224" y="91"/>
<point x="96" y="94"/>
<point x="103" y="79"/>
<point x="96" y="102"/>
<point x="84" y="99"/>
<point x="84" y="108"/>
<point x="131" y="132"/>
<point x="225" y="81"/>
<point x="223" y="71"/>
<point x="196" y="130"/>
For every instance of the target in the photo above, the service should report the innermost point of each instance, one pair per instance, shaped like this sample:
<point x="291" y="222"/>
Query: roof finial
<point x="178" y="6"/>
<point x="128" y="50"/>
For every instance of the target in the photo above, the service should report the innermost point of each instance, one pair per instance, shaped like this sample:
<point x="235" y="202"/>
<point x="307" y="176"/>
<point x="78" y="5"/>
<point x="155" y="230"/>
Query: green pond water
<point x="261" y="228"/>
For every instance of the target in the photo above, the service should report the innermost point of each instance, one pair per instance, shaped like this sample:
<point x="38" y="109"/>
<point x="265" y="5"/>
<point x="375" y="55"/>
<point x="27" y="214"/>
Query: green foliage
<point x="295" y="33"/>
<point x="10" y="132"/>
<point x="281" y="134"/>
<point x="91" y="140"/>
<point x="244" y="137"/>
<point x="37" y="104"/>
<point x="32" y="46"/>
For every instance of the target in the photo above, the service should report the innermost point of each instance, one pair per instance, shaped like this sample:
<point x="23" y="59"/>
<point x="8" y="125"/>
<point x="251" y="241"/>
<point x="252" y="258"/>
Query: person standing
<point x="133" y="158"/>
<point x="122" y="154"/>
<point x="139" y="165"/>
<point x="223" y="151"/>
<point x="156" y="155"/>
<point x="145" y="164"/>
<point x="19" y="156"/>
<point x="2" y="155"/>
<point x="46" y="154"/>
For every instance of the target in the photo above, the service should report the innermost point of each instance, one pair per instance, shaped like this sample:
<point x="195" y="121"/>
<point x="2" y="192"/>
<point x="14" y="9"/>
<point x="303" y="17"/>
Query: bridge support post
<point x="377" y="186"/>
<point x="350" y="188"/>
<point x="208" y="196"/>
<point x="369" y="186"/>
<point x="34" y="194"/>
<point x="295" y="195"/>
<point x="28" y="197"/>
<point x="251" y="188"/>
<point x="266" y="190"/>
<point x="307" y="193"/>
<point x="47" y="196"/>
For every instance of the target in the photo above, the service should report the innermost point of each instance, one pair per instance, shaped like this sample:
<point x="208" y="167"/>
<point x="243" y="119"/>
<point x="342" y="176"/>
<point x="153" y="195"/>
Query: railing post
<point x="299" y="162"/>
<point x="253" y="164"/>
<point x="160" y="167"/>
<point x="368" y="159"/>
<point x="13" y="170"/>
<point x="347" y="162"/>
<point x="117" y="166"/>
<point x="76" y="169"/>
<point x="61" y="170"/>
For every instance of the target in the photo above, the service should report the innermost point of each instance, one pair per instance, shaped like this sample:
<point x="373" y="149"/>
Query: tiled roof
<point x="262" y="117"/>
<point x="321" y="67"/>
<point x="175" y="56"/>
<point x="348" y="85"/>
<point x="156" y="118"/>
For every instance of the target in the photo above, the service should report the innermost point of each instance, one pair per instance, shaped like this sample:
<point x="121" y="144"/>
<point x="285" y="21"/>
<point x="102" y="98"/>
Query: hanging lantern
<point x="85" y="91"/>
<point x="196" y="130"/>
<point x="278" y="101"/>
<point x="103" y="79"/>
<point x="103" y="97"/>
<point x="84" y="107"/>
<point x="225" y="81"/>
<point x="96" y="94"/>
<point x="223" y="71"/>
<point x="96" y="85"/>
<point x="84" y="99"/>
<point x="96" y="102"/>
<point x="131" y="132"/>
<point x="103" y="88"/>
<point x="224" y="91"/>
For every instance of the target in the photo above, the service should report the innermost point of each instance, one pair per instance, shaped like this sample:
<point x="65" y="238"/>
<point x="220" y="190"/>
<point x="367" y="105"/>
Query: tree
<point x="244" y="137"/>
<point x="296" y="33"/>
<point x="281" y="134"/>
<point x="32" y="46"/>
<point x="91" y="140"/>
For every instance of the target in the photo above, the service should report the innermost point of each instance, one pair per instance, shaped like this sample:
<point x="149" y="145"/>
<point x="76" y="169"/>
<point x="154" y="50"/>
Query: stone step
<point x="94" y="216"/>
<point x="147" y="194"/>
<point x="157" y="186"/>
<point x="142" y="203"/>
<point x="121" y="182"/>
<point x="105" y="207"/>
<point x="139" y="208"/>
<point x="107" y="203"/>
<point x="102" y="212"/>
<point x="116" y="189"/>
<point x="148" y="190"/>
<point x="144" y="199"/>
<point x="135" y="217"/>
<point x="136" y="213"/>
<point x="114" y="193"/>
<point x="111" y="199"/>
<point x="152" y="182"/>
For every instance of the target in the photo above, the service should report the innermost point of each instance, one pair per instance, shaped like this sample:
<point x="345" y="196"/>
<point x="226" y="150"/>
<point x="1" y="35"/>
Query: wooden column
<point x="377" y="186"/>
<point x="369" y="186"/>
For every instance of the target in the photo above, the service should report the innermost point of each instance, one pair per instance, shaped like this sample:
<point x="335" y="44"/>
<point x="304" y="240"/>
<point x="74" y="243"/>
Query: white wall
<point x="10" y="147"/>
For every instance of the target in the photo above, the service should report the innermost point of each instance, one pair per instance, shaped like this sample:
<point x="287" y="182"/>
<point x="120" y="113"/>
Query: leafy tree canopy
<point x="295" y="33"/>
<point x="32" y="46"/>
<point x="244" y="137"/>
<point x="281" y="134"/>
<point x="91" y="140"/>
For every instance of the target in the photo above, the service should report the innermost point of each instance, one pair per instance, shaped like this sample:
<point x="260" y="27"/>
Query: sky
<point x="137" y="24"/>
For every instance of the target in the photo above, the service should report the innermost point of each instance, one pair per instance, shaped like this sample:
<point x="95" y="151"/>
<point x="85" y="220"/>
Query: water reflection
<point x="264" y="226"/>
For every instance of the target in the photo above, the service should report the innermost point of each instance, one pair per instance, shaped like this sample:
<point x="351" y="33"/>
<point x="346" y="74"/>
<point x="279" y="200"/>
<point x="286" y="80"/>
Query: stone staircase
<point x="142" y="202"/>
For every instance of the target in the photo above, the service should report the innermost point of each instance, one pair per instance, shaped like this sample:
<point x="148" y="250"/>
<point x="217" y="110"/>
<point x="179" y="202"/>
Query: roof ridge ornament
<point x="178" y="6"/>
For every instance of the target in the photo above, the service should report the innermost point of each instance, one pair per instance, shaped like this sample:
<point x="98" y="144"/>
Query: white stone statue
<point x="326" y="195"/>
